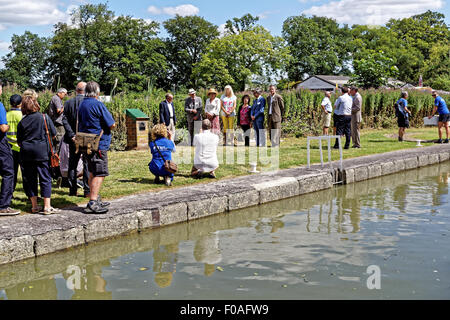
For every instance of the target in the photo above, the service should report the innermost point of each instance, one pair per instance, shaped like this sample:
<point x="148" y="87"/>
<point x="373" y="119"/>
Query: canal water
<point x="317" y="246"/>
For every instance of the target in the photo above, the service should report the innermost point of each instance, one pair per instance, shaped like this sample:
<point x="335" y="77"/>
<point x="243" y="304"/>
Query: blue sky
<point x="38" y="16"/>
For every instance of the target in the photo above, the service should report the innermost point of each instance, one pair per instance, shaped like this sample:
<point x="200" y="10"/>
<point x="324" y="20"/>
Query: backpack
<point x="397" y="110"/>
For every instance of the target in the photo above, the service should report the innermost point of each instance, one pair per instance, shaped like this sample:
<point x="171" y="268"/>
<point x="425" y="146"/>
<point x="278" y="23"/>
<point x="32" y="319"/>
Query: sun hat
<point x="192" y="91"/>
<point x="212" y="90"/>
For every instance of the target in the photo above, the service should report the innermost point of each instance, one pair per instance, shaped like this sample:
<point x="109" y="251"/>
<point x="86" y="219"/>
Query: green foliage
<point x="26" y="64"/>
<point x="417" y="45"/>
<point x="100" y="46"/>
<point x="441" y="83"/>
<point x="238" y="25"/>
<point x="240" y="56"/>
<point x="318" y="46"/>
<point x="373" y="69"/>
<point x="188" y="39"/>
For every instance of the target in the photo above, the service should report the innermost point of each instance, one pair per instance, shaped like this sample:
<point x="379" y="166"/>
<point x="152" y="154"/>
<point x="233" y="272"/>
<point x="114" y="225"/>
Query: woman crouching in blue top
<point x="161" y="140"/>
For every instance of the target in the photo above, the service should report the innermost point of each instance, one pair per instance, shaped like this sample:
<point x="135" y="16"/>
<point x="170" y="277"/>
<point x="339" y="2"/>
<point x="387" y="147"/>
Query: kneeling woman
<point x="161" y="148"/>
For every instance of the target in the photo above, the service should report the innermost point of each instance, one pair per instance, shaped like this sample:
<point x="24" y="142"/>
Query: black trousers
<point x="247" y="132"/>
<point x="344" y="127"/>
<point x="74" y="158"/>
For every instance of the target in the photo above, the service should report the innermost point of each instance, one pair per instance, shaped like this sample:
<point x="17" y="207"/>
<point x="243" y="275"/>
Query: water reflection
<point x="165" y="264"/>
<point x="346" y="226"/>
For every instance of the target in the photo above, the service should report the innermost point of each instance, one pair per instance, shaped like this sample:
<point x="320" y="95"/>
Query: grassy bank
<point x="130" y="174"/>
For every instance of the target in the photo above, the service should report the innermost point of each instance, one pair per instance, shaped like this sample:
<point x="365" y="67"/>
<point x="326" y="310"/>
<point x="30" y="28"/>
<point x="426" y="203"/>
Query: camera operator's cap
<point x="192" y="91"/>
<point x="212" y="91"/>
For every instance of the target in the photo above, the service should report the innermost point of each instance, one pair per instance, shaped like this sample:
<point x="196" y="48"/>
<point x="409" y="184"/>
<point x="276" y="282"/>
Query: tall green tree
<point x="415" y="38"/>
<point x="373" y="69"/>
<point x="187" y="41"/>
<point x="250" y="53"/>
<point x="100" y="46"/>
<point x="26" y="63"/>
<point x="318" y="45"/>
<point x="237" y="25"/>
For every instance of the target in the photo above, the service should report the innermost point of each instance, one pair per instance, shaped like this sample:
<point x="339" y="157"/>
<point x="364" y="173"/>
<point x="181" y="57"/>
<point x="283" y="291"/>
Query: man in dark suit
<point x="167" y="114"/>
<point x="275" y="107"/>
<point x="70" y="125"/>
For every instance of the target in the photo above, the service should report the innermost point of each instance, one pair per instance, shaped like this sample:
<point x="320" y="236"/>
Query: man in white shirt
<point x="205" y="159"/>
<point x="343" y="107"/>
<point x="327" y="110"/>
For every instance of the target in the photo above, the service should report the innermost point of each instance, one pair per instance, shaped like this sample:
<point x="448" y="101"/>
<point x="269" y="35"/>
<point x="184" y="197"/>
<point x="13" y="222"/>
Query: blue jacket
<point x="164" y="114"/>
<point x="258" y="107"/>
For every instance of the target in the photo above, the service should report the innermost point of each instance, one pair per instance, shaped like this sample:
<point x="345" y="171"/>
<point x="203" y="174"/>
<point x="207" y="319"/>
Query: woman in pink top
<point x="245" y="119"/>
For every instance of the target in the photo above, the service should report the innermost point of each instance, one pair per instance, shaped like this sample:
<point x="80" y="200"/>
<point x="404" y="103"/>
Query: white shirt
<point x="344" y="105"/>
<point x="271" y="103"/>
<point x="213" y="107"/>
<point x="170" y="108"/>
<point x="205" y="158"/>
<point x="326" y="103"/>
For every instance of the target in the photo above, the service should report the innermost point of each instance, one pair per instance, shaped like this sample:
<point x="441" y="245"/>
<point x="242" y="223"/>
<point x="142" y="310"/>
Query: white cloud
<point x="266" y="14"/>
<point x="154" y="10"/>
<point x="181" y="10"/>
<point x="30" y="12"/>
<point x="4" y="46"/>
<point x="372" y="12"/>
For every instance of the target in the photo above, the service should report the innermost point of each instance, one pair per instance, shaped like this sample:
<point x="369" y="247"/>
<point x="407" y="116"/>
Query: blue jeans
<point x="258" y="125"/>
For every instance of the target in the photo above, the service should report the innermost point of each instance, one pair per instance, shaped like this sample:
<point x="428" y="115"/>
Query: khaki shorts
<point x="326" y="120"/>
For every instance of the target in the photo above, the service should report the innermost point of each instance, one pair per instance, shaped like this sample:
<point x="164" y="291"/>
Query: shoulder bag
<point x="169" y="165"/>
<point x="54" y="158"/>
<point x="86" y="142"/>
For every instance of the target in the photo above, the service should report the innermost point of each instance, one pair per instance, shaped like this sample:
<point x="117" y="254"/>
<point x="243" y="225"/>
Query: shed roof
<point x="136" y="114"/>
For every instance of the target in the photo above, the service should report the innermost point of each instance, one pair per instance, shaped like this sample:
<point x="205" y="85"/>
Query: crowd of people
<point x="29" y="138"/>
<point x="347" y="116"/>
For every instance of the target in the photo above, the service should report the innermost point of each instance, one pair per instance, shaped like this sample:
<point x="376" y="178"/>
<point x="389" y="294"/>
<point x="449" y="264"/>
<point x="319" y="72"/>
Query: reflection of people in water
<point x="92" y="285"/>
<point x="207" y="251"/>
<point x="275" y="223"/>
<point x="399" y="196"/>
<point x="441" y="190"/>
<point x="165" y="260"/>
<point x="42" y="289"/>
<point x="353" y="207"/>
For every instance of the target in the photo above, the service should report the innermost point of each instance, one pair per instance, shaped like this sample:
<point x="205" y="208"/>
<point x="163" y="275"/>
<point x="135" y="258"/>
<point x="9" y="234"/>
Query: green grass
<point x="130" y="174"/>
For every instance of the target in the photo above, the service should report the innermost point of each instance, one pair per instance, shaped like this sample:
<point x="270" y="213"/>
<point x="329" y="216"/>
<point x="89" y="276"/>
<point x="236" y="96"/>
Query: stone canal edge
<point x="29" y="236"/>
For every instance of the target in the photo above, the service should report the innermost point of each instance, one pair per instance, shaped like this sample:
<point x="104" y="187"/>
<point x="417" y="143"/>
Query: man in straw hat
<point x="193" y="107"/>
